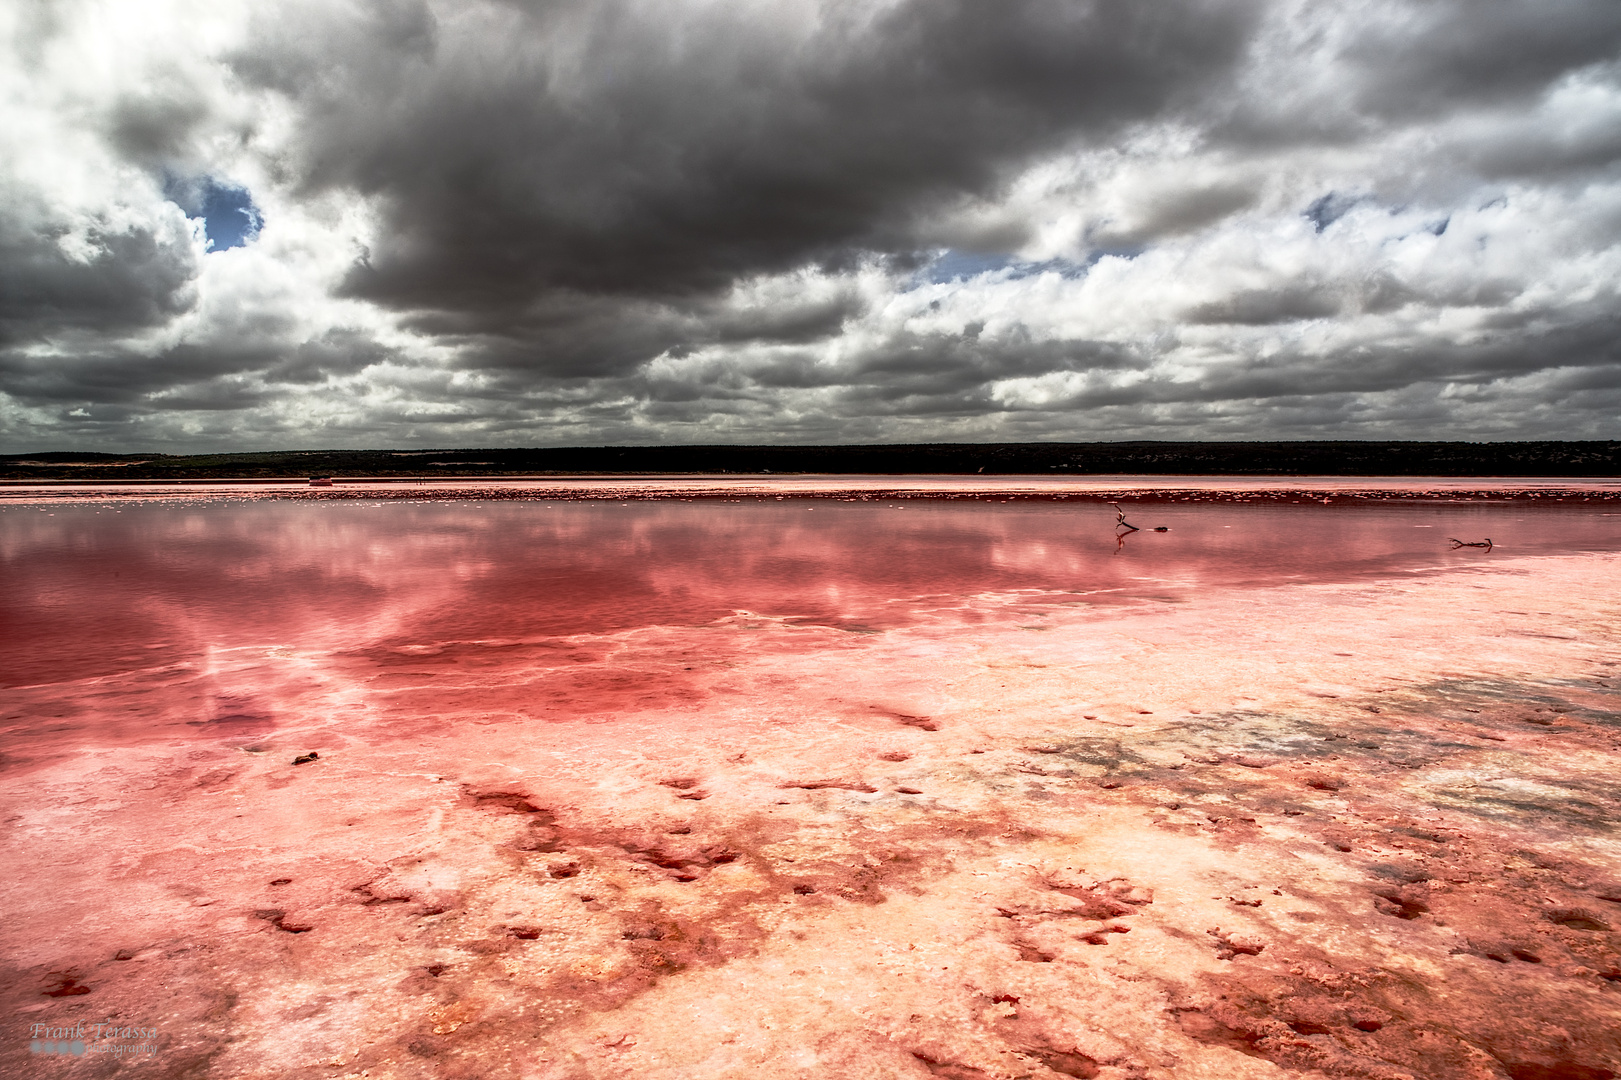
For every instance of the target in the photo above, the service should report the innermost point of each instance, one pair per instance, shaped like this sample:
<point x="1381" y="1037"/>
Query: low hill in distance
<point x="1521" y="459"/>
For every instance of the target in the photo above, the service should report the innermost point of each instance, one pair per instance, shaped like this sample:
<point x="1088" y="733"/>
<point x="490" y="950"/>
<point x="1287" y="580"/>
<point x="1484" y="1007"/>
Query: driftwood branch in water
<point x="1120" y="519"/>
<point x="1456" y="544"/>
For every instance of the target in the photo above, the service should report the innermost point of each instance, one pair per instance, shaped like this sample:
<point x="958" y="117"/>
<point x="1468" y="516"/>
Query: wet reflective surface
<point x="92" y="590"/>
<point x="578" y="790"/>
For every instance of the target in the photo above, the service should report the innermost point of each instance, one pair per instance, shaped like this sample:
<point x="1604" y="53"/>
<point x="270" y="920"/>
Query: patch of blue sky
<point x="952" y="265"/>
<point x="230" y="217"/>
<point x="1330" y="208"/>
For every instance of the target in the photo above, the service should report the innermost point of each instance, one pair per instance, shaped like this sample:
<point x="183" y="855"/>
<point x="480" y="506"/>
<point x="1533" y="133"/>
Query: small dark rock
<point x="304" y="759"/>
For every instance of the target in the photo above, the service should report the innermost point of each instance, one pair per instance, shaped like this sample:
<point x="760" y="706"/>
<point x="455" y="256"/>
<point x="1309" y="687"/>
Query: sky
<point x="439" y="223"/>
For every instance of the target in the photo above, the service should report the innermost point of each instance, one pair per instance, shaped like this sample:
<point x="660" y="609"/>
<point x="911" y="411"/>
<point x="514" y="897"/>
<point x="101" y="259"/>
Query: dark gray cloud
<point x="155" y="126"/>
<point x="564" y="220"/>
<point x="666" y="150"/>
<point x="102" y="277"/>
<point x="1433" y="57"/>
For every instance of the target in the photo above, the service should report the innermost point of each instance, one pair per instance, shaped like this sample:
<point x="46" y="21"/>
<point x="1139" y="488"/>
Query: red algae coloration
<point x="813" y="777"/>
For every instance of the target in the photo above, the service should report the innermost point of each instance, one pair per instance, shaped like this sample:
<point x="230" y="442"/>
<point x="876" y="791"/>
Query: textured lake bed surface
<point x="857" y="785"/>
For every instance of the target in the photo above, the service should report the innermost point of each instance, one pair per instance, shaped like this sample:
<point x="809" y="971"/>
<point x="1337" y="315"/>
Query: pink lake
<point x="95" y="588"/>
<point x="880" y="778"/>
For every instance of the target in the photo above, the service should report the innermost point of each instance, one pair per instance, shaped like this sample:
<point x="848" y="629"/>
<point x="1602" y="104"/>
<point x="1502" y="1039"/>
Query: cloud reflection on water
<point x="92" y="591"/>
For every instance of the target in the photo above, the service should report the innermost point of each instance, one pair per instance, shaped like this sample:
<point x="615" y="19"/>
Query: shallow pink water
<point x="1285" y="791"/>
<point x="96" y="589"/>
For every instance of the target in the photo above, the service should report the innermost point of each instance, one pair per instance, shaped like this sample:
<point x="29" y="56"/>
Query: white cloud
<point x="706" y="220"/>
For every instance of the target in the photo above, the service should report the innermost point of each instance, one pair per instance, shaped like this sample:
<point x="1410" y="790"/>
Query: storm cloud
<point x="555" y="221"/>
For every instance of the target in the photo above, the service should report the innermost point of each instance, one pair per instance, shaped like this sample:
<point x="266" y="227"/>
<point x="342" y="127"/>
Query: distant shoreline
<point x="856" y="488"/>
<point x="1546" y="459"/>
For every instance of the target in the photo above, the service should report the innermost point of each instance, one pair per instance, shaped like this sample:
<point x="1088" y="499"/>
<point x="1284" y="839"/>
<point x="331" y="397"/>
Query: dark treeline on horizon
<point x="1524" y="459"/>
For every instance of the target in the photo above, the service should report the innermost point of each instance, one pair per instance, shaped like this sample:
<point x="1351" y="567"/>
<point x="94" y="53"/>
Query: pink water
<point x="97" y="589"/>
<point x="505" y="787"/>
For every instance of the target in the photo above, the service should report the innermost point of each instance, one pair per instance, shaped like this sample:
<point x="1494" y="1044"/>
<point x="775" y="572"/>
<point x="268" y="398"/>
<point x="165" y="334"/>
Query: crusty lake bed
<point x="783" y="778"/>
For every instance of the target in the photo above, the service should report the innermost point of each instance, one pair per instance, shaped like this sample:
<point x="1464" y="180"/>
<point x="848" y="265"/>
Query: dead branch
<point x="1120" y="519"/>
<point x="1456" y="544"/>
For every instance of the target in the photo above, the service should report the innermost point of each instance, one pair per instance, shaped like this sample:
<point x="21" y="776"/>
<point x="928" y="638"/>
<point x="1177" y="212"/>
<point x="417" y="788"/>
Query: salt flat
<point x="806" y="789"/>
